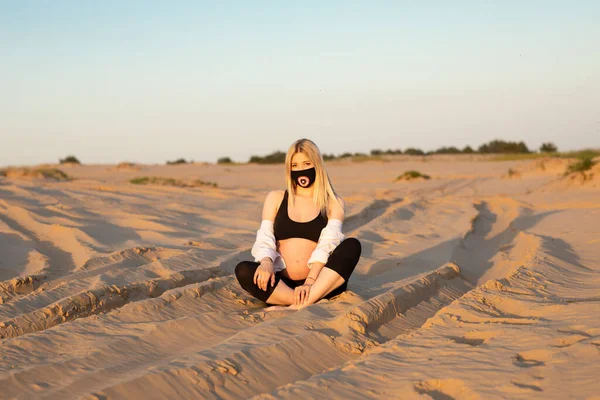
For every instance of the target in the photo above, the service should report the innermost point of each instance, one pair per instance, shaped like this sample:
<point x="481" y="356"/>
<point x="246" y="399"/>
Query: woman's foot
<point x="306" y="304"/>
<point x="276" y="308"/>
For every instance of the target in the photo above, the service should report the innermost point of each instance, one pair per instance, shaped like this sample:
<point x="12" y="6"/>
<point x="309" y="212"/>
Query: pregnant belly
<point x="295" y="253"/>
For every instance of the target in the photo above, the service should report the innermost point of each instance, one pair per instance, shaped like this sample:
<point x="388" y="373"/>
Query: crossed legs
<point x="332" y="280"/>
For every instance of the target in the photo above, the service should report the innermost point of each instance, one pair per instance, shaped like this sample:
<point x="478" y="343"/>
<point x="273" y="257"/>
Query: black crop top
<point x="285" y="228"/>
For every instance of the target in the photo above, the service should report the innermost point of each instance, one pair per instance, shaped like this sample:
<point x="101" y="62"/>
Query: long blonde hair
<point x="323" y="191"/>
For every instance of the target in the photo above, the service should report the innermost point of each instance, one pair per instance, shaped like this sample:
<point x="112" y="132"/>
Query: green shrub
<point x="517" y="156"/>
<point x="412" y="174"/>
<point x="45" y="173"/>
<point x="584" y="164"/>
<point x="157" y="180"/>
<point x="53" y="173"/>
<point x="581" y="154"/>
<point x="468" y="150"/>
<point x="376" y="152"/>
<point x="363" y="158"/>
<point x="200" y="182"/>
<point x="140" y="181"/>
<point x="69" y="160"/>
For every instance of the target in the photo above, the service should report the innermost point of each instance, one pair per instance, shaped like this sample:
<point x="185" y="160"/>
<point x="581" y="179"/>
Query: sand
<point x="475" y="284"/>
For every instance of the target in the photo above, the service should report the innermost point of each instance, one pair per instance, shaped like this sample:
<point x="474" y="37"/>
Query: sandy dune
<point x="475" y="284"/>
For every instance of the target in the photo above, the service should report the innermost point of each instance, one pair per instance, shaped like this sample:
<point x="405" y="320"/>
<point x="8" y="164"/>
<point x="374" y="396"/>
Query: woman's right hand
<point x="265" y="273"/>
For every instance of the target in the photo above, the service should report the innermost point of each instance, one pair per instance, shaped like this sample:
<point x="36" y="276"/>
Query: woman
<point x="300" y="254"/>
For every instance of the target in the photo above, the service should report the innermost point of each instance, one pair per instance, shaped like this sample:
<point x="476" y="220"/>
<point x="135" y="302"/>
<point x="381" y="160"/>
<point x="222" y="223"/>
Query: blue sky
<point x="151" y="81"/>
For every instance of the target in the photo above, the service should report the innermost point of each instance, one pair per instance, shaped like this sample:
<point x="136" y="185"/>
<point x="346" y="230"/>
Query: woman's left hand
<point x="301" y="294"/>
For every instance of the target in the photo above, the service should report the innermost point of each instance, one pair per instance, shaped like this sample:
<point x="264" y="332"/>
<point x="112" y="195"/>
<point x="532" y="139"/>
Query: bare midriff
<point x="295" y="253"/>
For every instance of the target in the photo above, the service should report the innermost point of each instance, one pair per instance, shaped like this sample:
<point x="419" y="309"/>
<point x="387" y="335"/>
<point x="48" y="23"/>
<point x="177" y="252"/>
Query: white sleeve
<point x="331" y="236"/>
<point x="265" y="245"/>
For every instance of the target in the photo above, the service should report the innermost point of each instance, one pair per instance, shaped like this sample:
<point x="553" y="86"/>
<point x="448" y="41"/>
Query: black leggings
<point x="342" y="260"/>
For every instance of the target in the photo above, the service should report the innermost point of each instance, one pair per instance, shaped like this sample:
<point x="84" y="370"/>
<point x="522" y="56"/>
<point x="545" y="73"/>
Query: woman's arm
<point x="331" y="236"/>
<point x="265" y="245"/>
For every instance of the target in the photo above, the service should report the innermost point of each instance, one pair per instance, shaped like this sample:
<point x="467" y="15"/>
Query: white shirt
<point x="265" y="245"/>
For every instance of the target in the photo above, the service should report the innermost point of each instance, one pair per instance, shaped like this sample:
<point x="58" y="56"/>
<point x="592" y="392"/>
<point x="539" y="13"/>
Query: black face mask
<point x="304" y="178"/>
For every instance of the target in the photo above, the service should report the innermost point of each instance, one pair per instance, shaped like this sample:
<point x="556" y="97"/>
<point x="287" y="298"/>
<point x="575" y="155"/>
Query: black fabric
<point x="285" y="228"/>
<point x="342" y="260"/>
<point x="344" y="257"/>
<point x="304" y="178"/>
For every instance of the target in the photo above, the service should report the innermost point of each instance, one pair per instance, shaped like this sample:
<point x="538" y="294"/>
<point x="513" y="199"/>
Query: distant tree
<point x="277" y="157"/>
<point x="345" y="155"/>
<point x="69" y="160"/>
<point x="501" y="146"/>
<point x="447" y="150"/>
<point x="224" y="160"/>
<point x="548" y="148"/>
<point x="178" y="161"/>
<point x="522" y="148"/>
<point x="360" y="155"/>
<point x="414" y="152"/>
<point x="467" y="150"/>
<point x="376" y="152"/>
<point x="327" y="157"/>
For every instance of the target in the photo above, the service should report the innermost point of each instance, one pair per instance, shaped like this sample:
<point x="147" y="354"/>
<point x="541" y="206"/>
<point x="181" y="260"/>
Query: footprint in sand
<point x="527" y="386"/>
<point x="469" y="341"/>
<point x="532" y="358"/>
<point x="569" y="340"/>
<point x="473" y="338"/>
<point x="445" y="389"/>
